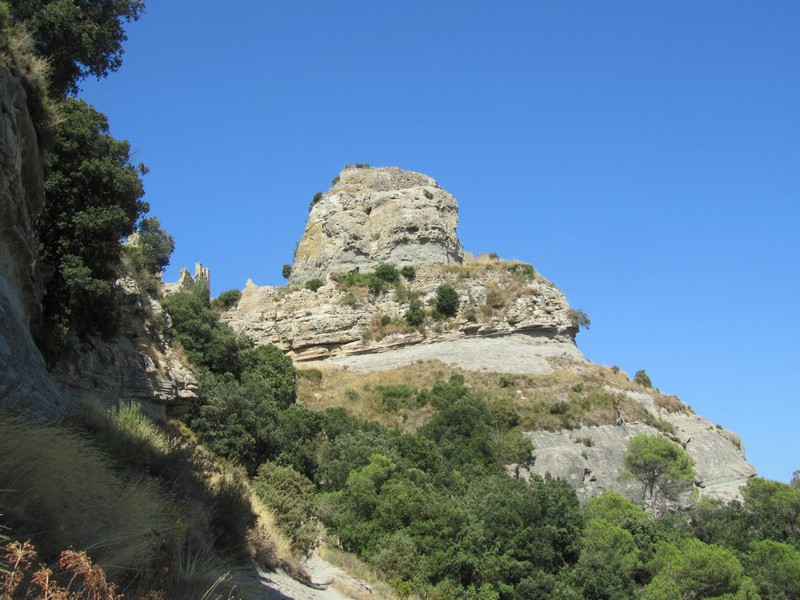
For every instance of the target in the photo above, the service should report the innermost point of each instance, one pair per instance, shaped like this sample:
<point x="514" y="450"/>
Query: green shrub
<point x="579" y="318"/>
<point x="447" y="300"/>
<point x="428" y="194"/>
<point x="385" y="320"/>
<point x="227" y="299"/>
<point x="415" y="315"/>
<point x="349" y="299"/>
<point x="335" y="180"/>
<point x="642" y="379"/>
<point x="291" y="496"/>
<point x="286" y="271"/>
<point x="314" y="284"/>
<point x="506" y="381"/>
<point x="522" y="270"/>
<point x="409" y="272"/>
<point x="387" y="272"/>
<point x="313" y="375"/>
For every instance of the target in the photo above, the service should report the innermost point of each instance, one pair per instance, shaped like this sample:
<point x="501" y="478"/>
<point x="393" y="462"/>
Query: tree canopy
<point x="78" y="37"/>
<point x="661" y="466"/>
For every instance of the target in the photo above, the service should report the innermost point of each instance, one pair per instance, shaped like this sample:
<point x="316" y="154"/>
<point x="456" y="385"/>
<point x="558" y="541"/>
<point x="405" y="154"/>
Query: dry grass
<point x="57" y="488"/>
<point x="575" y="394"/>
<point x="358" y="569"/>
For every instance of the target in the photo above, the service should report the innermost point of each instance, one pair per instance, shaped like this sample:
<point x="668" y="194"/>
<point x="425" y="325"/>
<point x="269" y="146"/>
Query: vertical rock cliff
<point x="23" y="378"/>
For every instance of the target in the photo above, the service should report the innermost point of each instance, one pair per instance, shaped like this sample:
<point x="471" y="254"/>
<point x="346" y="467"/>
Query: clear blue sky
<point x="644" y="156"/>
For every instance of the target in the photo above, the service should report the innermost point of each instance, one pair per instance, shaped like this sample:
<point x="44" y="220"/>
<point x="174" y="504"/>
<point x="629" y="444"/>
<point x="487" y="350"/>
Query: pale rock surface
<point x="719" y="460"/>
<point x="23" y="378"/>
<point x="343" y="328"/>
<point x="137" y="365"/>
<point x="376" y="215"/>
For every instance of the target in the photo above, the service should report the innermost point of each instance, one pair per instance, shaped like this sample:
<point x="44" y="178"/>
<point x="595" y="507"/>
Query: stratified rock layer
<point x="376" y="215"/>
<point x="504" y="322"/>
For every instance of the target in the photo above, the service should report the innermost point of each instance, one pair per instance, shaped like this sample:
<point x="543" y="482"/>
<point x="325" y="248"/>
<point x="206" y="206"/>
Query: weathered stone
<point x="136" y="365"/>
<point x="371" y="216"/>
<point x="23" y="377"/>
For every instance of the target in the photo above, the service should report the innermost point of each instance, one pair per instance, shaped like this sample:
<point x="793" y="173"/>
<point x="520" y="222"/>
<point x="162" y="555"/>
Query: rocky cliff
<point x="23" y="378"/>
<point x="136" y="365"/>
<point x="510" y="320"/>
<point x="372" y="216"/>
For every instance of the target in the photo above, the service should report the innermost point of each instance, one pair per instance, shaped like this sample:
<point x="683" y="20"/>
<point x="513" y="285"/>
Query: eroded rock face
<point x="590" y="458"/>
<point x="520" y="320"/>
<point x="23" y="378"/>
<point x="137" y="365"/>
<point x="376" y="215"/>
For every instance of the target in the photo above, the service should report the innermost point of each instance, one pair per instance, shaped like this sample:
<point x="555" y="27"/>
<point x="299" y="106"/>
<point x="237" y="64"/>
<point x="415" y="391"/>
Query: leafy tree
<point x="775" y="569"/>
<point x="291" y="496"/>
<point x="272" y="366"/>
<point x="661" y="466"/>
<point x="642" y="379"/>
<point x="151" y="247"/>
<point x="92" y="200"/>
<point x="78" y="37"/>
<point x="447" y="300"/>
<point x="698" y="570"/>
<point x="196" y="326"/>
<point x="286" y="271"/>
<point x="580" y="318"/>
<point x="415" y="314"/>
<point x="608" y="562"/>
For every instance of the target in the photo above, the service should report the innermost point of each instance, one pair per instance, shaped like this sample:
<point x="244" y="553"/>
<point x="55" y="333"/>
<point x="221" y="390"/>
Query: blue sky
<point x="644" y="156"/>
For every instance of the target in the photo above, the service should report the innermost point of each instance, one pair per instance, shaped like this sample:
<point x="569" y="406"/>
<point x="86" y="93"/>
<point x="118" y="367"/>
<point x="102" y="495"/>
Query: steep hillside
<point x="348" y="306"/>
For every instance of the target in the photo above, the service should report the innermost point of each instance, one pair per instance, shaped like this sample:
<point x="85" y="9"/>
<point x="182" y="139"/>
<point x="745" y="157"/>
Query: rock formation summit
<point x="377" y="215"/>
<point x="509" y="320"/>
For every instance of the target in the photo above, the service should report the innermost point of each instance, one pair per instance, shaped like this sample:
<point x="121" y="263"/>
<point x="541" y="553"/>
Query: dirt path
<point x="325" y="578"/>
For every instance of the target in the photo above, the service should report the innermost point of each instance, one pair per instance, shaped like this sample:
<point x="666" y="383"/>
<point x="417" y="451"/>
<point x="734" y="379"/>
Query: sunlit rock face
<point x="376" y="215"/>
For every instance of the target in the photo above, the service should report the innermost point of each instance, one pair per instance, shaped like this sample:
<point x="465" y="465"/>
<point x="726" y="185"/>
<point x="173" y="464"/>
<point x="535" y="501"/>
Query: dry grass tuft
<point x="358" y="569"/>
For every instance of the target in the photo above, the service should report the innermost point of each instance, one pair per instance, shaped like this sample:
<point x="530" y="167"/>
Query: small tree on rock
<point x="663" y="468"/>
<point x="447" y="300"/>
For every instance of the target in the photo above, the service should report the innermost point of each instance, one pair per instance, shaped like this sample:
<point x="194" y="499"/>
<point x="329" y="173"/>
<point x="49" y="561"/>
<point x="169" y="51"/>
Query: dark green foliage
<point x="335" y="180"/>
<point x="698" y="570"/>
<point x="291" y="496"/>
<point x="385" y="320"/>
<point x="152" y="248"/>
<point x="395" y="397"/>
<point x="642" y="379"/>
<point x="77" y="37"/>
<point x="663" y="468"/>
<point x="428" y="194"/>
<point x="317" y="197"/>
<point x="234" y="421"/>
<point x="226" y="300"/>
<point x="196" y="326"/>
<point x="775" y="569"/>
<point x="415" y="315"/>
<point x="314" y="284"/>
<point x="522" y="270"/>
<point x="92" y="200"/>
<point x="387" y="272"/>
<point x="608" y="562"/>
<point x="274" y="370"/>
<point x="286" y="271"/>
<point x="409" y="272"/>
<point x="447" y="300"/>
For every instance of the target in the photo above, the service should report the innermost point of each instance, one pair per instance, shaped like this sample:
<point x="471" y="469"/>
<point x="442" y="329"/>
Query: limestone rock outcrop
<point x="590" y="458"/>
<point x="23" y="378"/>
<point x="136" y="365"/>
<point x="522" y="319"/>
<point x="376" y="215"/>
